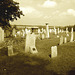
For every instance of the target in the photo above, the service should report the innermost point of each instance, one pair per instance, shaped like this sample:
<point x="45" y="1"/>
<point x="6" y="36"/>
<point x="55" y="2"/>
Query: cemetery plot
<point x="28" y="63"/>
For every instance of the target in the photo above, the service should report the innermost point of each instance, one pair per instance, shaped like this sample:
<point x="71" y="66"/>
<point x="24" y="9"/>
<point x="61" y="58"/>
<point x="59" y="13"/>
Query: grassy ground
<point x="40" y="63"/>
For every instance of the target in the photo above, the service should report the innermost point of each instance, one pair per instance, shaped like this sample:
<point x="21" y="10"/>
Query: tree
<point x="9" y="11"/>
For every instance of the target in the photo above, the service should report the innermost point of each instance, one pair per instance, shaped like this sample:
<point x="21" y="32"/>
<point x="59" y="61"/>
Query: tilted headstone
<point x="65" y="40"/>
<point x="72" y="36"/>
<point x="61" y="40"/>
<point x="10" y="50"/>
<point x="29" y="42"/>
<point x="53" y="51"/>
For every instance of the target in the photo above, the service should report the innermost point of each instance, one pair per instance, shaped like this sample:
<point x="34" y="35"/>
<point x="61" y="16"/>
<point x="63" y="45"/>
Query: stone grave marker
<point x="61" y="40"/>
<point x="10" y="50"/>
<point x="50" y="30"/>
<point x="65" y="40"/>
<point x="43" y="36"/>
<point x="38" y="30"/>
<point x="53" y="51"/>
<point x="55" y="31"/>
<point x="72" y="36"/>
<point x="14" y="32"/>
<point x="47" y="31"/>
<point x="30" y="42"/>
<point x="66" y="30"/>
<point x="58" y="30"/>
<point x="1" y="35"/>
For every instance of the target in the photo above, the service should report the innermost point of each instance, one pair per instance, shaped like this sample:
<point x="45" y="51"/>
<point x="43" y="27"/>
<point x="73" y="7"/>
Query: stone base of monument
<point x="33" y="50"/>
<point x="53" y="51"/>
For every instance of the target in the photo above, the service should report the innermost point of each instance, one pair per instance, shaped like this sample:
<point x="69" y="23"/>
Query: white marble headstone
<point x="30" y="41"/>
<point x="72" y="35"/>
<point x="1" y="35"/>
<point x="65" y="40"/>
<point x="61" y="40"/>
<point x="47" y="31"/>
<point x="10" y="50"/>
<point x="14" y="32"/>
<point x="53" y="51"/>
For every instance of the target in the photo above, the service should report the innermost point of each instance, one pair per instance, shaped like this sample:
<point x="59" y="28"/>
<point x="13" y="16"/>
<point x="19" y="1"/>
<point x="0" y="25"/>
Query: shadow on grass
<point x="24" y="64"/>
<point x="71" y="72"/>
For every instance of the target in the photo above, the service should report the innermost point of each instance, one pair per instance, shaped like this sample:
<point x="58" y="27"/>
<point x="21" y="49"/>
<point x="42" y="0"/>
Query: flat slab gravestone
<point x="53" y="51"/>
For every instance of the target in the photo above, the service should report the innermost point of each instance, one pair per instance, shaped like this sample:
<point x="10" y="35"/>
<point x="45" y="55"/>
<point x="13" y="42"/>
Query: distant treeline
<point x="69" y="28"/>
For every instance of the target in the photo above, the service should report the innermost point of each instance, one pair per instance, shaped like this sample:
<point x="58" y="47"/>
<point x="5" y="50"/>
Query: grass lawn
<point x="40" y="63"/>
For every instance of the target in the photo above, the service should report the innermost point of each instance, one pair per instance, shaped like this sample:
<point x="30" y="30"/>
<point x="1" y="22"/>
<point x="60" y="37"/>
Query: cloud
<point x="31" y="12"/>
<point x="27" y="10"/>
<point x="48" y="4"/>
<point x="71" y="12"/>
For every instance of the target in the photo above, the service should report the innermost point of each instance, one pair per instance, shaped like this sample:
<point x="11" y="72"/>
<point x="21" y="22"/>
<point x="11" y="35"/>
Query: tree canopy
<point x="9" y="11"/>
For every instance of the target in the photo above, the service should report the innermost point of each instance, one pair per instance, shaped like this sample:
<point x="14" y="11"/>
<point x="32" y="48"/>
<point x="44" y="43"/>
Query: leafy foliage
<point x="9" y="11"/>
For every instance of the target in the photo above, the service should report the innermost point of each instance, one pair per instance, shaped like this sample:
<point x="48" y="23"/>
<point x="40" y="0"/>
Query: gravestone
<point x="26" y="31"/>
<point x="61" y="40"/>
<point x="23" y="33"/>
<point x="29" y="42"/>
<point x="42" y="30"/>
<point x="50" y="30"/>
<point x="65" y="40"/>
<point x="58" y="30"/>
<point x="43" y="36"/>
<point x="72" y="36"/>
<point x="55" y="31"/>
<point x="38" y="30"/>
<point x="14" y="32"/>
<point x="53" y="51"/>
<point x="66" y="30"/>
<point x="47" y="31"/>
<point x="1" y="35"/>
<point x="67" y="34"/>
<point x="10" y="50"/>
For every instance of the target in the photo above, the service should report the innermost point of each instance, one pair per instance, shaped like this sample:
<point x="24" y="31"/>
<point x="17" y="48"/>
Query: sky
<point x="39" y="12"/>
